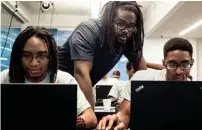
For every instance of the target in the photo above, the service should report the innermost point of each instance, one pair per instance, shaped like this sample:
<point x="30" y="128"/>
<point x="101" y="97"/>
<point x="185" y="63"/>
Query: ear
<point x="132" y="70"/>
<point x="163" y="62"/>
<point x="192" y="61"/>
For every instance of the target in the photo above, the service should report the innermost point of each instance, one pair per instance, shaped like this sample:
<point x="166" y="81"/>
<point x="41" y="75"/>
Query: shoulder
<point x="114" y="80"/>
<point x="5" y="76"/>
<point x="122" y="83"/>
<point x="147" y="75"/>
<point x="6" y="71"/>
<point x="87" y="35"/>
<point x="111" y="81"/>
<point x="64" y="77"/>
<point x="93" y="25"/>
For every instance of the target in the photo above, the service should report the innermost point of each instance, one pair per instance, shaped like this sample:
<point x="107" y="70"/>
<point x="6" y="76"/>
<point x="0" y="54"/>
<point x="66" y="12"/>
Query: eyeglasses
<point x="122" y="26"/>
<point x="174" y="65"/>
<point x="39" y="58"/>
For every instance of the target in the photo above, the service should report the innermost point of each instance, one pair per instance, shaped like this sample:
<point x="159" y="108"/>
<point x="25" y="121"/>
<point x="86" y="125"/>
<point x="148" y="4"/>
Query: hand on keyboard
<point x="110" y="122"/>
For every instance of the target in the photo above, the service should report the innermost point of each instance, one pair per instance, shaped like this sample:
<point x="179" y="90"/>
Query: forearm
<point x="155" y="66"/>
<point x="86" y="86"/>
<point x="142" y="64"/>
<point x="87" y="119"/>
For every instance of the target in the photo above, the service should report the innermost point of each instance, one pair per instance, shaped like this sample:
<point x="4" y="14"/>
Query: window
<point x="6" y="45"/>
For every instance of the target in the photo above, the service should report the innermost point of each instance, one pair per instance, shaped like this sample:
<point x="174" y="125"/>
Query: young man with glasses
<point x="34" y="60"/>
<point x="177" y="60"/>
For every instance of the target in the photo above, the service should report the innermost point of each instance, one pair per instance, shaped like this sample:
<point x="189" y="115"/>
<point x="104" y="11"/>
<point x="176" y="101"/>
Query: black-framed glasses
<point x="122" y="26"/>
<point x="39" y="58"/>
<point x="172" y="65"/>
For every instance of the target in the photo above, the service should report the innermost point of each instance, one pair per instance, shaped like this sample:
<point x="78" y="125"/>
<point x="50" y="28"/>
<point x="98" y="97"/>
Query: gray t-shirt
<point x="86" y="43"/>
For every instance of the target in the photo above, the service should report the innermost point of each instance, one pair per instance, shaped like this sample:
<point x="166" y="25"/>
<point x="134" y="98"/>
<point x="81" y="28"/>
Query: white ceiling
<point x="189" y="13"/>
<point x="186" y="15"/>
<point x="60" y="7"/>
<point x="145" y="5"/>
<point x="80" y="7"/>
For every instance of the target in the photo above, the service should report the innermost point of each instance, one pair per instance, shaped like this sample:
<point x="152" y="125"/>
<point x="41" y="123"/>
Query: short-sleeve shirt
<point x="86" y="43"/>
<point x="150" y="75"/>
<point x="147" y="75"/>
<point x="117" y="90"/>
<point x="62" y="78"/>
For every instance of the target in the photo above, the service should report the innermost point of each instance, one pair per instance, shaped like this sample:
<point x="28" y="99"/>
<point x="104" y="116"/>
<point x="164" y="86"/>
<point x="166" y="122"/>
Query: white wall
<point x="199" y="59"/>
<point x="157" y="13"/>
<point x="153" y="52"/>
<point x="6" y="19"/>
<point x="22" y="13"/>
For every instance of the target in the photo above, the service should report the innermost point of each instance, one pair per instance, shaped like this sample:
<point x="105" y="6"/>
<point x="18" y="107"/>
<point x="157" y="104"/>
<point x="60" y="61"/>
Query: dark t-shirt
<point x="85" y="43"/>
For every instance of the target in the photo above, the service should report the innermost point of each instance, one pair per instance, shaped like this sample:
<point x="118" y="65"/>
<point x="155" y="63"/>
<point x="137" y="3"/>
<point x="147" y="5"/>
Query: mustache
<point x="124" y="35"/>
<point x="182" y="75"/>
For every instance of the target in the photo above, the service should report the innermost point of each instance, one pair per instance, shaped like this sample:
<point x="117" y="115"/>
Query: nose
<point x="34" y="62"/>
<point x="179" y="70"/>
<point x="126" y="31"/>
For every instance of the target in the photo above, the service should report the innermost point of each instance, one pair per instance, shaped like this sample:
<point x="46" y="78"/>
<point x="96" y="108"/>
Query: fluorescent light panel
<point x="2" y="58"/>
<point x="192" y="27"/>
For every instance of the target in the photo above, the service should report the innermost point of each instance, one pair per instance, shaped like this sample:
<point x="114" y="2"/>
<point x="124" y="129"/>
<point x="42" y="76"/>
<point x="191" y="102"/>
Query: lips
<point x="179" y="78"/>
<point x="34" y="71"/>
<point x="123" y="37"/>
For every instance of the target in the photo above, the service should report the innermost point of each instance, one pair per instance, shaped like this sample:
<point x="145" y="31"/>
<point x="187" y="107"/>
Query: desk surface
<point x="101" y="109"/>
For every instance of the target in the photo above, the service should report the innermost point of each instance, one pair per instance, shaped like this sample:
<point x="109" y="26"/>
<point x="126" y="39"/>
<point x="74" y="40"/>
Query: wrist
<point x="122" y="120"/>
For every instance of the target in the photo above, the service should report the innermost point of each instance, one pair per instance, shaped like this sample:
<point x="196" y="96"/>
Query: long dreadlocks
<point x="16" y="71"/>
<point x="108" y="14"/>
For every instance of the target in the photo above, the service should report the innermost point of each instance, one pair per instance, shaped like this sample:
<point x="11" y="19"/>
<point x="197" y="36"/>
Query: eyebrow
<point x="180" y="62"/>
<point x="40" y="52"/>
<point x="185" y="61"/>
<point x="121" y="20"/>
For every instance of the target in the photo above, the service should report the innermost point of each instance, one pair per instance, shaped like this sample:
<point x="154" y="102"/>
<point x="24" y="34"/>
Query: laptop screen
<point x="102" y="91"/>
<point x="38" y="106"/>
<point x="163" y="105"/>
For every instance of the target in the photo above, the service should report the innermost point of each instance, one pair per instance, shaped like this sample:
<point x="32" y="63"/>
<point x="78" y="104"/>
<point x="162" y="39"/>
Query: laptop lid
<point x="166" y="105"/>
<point x="102" y="91"/>
<point x="38" y="106"/>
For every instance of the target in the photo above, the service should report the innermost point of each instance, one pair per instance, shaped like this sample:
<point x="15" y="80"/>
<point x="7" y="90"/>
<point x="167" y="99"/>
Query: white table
<point x="101" y="109"/>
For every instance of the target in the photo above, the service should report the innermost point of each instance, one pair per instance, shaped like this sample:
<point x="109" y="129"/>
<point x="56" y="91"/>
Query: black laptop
<point x="38" y="106"/>
<point x="166" y="105"/>
<point x="102" y="91"/>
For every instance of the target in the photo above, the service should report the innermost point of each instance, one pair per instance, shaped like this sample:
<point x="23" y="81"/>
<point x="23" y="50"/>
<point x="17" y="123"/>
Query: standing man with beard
<point x="95" y="46"/>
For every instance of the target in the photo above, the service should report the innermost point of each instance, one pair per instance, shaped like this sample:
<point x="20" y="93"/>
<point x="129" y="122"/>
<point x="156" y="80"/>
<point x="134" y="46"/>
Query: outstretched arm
<point x="155" y="66"/>
<point x="82" y="75"/>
